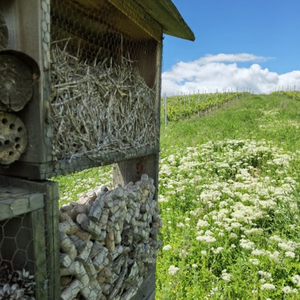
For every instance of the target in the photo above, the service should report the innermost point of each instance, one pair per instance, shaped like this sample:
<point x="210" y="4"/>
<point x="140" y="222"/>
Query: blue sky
<point x="266" y="32"/>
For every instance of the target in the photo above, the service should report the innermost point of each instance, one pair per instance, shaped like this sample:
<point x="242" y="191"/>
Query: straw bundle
<point x="99" y="108"/>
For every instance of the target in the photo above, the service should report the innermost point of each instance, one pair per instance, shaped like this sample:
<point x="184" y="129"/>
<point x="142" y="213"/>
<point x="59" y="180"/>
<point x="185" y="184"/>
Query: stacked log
<point x="108" y="241"/>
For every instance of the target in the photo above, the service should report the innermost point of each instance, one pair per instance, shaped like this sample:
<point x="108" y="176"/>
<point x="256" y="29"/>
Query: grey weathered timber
<point x="51" y="209"/>
<point x="47" y="170"/>
<point x="132" y="169"/>
<point x="147" y="289"/>
<point x="3" y="33"/>
<point x="166" y="13"/>
<point x="15" y="201"/>
<point x="39" y="253"/>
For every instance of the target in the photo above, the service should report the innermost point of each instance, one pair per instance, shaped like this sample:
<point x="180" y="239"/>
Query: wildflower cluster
<point x="231" y="207"/>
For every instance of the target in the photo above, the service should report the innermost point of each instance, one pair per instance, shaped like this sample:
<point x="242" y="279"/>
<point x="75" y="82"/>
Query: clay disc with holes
<point x="13" y="138"/>
<point x="3" y="33"/>
<point x="15" y="83"/>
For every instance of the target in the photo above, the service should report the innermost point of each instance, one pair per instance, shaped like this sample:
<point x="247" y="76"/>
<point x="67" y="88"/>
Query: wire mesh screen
<point x="22" y="246"/>
<point x="103" y="74"/>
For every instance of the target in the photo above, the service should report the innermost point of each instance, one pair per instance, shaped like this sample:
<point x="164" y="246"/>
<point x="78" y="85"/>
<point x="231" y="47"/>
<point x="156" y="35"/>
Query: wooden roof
<point x="166" y="13"/>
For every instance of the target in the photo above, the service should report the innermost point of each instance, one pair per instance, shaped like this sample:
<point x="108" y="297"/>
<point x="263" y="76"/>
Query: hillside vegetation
<point x="229" y="198"/>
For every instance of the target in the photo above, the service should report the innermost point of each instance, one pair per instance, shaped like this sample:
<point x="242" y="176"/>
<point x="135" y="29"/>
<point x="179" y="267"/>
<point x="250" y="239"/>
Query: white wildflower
<point x="202" y="223"/>
<point x="167" y="247"/>
<point x="286" y="246"/>
<point x="254" y="261"/>
<point x="265" y="274"/>
<point x="246" y="244"/>
<point x="296" y="279"/>
<point x="218" y="250"/>
<point x="290" y="254"/>
<point x="286" y="289"/>
<point x="206" y="238"/>
<point x="173" y="270"/>
<point x="268" y="286"/>
<point x="226" y="276"/>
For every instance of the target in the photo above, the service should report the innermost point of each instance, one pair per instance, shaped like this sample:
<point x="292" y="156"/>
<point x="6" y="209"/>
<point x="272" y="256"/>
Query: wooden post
<point x="199" y="102"/>
<point x="165" y="110"/>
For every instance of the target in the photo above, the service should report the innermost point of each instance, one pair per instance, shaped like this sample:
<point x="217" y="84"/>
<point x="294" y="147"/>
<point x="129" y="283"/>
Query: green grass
<point x="229" y="198"/>
<point x="273" y="117"/>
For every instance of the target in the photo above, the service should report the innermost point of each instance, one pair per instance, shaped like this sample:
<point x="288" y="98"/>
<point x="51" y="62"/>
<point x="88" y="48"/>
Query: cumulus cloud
<point x="221" y="72"/>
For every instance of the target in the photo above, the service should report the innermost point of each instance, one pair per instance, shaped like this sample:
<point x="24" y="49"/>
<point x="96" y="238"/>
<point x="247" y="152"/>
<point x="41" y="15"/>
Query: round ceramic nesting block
<point x="3" y="33"/>
<point x="13" y="138"/>
<point x="16" y="83"/>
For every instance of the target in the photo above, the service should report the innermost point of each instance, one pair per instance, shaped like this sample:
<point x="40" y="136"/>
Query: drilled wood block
<point x="13" y="137"/>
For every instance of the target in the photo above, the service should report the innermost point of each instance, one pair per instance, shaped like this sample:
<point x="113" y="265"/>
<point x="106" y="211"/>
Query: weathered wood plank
<point x="38" y="235"/>
<point x="18" y="205"/>
<point x="139" y="16"/>
<point x="132" y="169"/>
<point x="147" y="289"/>
<point x="166" y="13"/>
<point x="47" y="170"/>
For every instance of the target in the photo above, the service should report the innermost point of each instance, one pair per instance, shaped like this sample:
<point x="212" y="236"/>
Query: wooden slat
<point x="166" y="13"/>
<point x="47" y="170"/>
<point x="139" y="16"/>
<point x="21" y="204"/>
<point x="39" y="253"/>
<point x="147" y="289"/>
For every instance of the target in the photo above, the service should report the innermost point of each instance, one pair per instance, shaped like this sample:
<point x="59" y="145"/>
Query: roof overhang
<point x="166" y="13"/>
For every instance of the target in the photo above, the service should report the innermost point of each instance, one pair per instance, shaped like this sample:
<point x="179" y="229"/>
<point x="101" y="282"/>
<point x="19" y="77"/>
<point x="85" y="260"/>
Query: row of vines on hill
<point x="174" y="108"/>
<point x="291" y="94"/>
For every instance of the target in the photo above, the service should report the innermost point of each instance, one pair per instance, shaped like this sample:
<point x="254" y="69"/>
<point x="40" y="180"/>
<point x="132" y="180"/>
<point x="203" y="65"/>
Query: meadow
<point x="229" y="199"/>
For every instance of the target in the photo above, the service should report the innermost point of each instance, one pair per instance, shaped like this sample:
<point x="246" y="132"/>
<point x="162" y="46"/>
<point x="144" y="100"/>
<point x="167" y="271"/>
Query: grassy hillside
<point x="229" y="196"/>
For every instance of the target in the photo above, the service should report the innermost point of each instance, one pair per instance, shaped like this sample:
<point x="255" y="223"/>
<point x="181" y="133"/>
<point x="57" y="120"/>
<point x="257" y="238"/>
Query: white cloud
<point x="221" y="72"/>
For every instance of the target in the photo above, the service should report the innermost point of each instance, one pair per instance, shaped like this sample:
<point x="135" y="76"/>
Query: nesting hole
<point x="4" y="121"/>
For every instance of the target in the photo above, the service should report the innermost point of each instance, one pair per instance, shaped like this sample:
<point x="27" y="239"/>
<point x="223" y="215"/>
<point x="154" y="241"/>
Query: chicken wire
<point x="103" y="80"/>
<point x="22" y="269"/>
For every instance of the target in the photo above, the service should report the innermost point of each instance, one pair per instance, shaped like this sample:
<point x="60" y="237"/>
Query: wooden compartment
<point x="22" y="239"/>
<point x="30" y="210"/>
<point x="96" y="101"/>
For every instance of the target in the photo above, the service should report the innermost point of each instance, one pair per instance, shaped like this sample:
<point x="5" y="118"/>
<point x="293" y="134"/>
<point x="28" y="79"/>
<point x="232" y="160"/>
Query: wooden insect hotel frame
<point x="80" y="88"/>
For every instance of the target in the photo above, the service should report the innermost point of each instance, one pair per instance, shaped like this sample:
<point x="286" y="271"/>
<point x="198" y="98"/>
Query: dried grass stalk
<point x="98" y="109"/>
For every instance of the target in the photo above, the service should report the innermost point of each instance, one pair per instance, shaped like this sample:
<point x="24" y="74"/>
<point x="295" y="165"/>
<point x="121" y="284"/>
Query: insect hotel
<point x="80" y="88"/>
